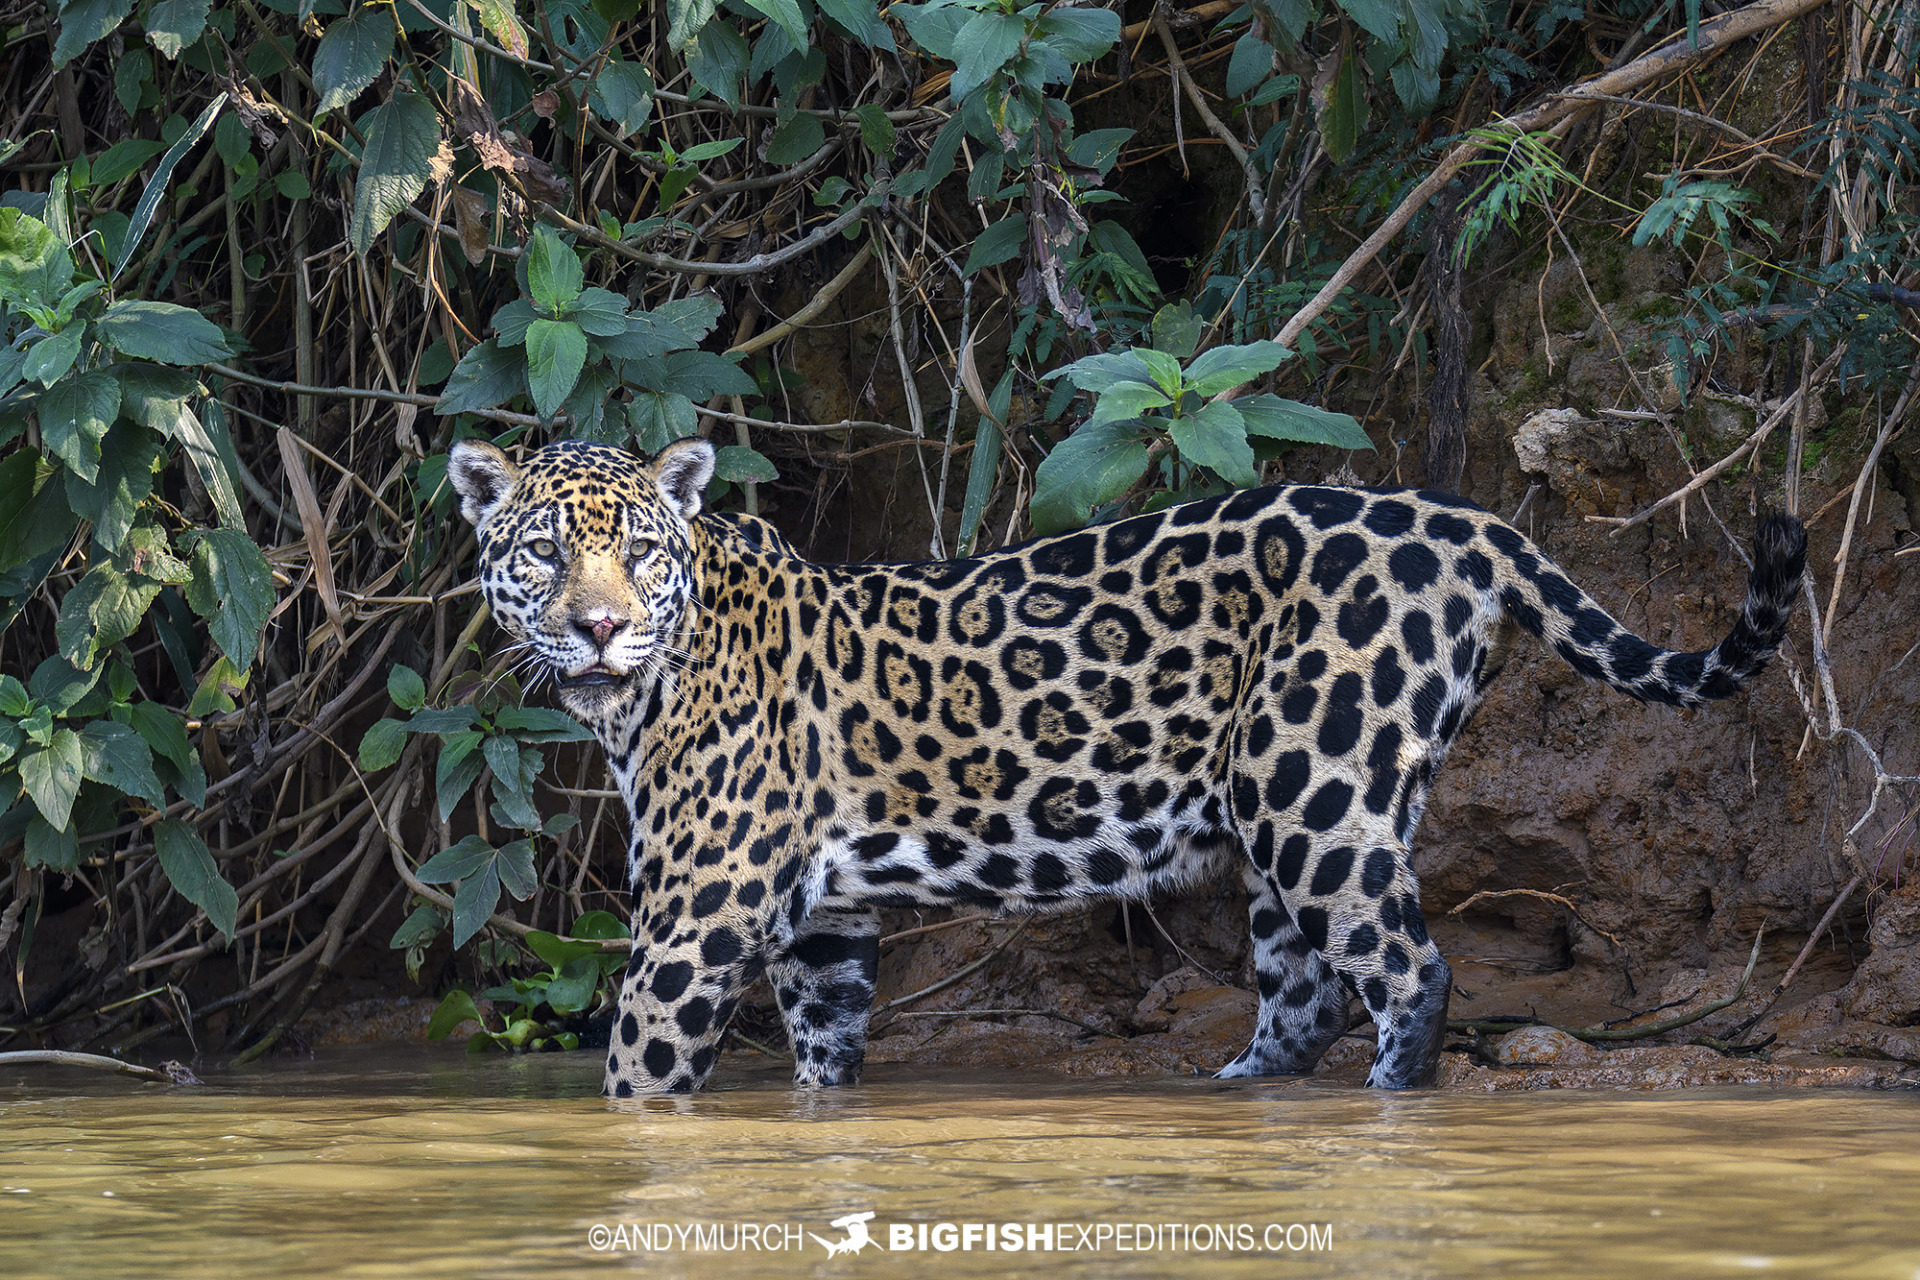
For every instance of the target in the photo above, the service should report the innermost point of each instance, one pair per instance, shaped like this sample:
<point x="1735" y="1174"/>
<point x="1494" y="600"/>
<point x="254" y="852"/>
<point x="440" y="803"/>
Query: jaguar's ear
<point x="482" y="476"/>
<point x="682" y="471"/>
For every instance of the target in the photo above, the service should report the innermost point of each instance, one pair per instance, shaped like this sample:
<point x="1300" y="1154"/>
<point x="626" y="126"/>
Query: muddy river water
<point x="405" y="1162"/>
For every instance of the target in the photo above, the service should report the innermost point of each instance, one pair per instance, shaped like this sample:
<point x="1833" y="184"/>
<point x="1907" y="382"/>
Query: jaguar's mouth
<point x="595" y="677"/>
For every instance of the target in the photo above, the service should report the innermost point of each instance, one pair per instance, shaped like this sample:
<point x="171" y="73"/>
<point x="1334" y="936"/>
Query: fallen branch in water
<point x="166" y="1073"/>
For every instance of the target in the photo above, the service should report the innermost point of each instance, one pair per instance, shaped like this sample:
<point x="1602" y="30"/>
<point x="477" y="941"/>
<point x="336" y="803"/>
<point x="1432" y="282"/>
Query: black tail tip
<point x="1780" y="551"/>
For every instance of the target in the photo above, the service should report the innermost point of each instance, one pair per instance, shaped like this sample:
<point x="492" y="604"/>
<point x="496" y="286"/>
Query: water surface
<point x="400" y="1161"/>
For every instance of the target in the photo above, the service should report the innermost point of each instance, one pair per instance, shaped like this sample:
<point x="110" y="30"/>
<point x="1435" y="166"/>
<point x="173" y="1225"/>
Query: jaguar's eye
<point x="641" y="548"/>
<point x="544" y="548"/>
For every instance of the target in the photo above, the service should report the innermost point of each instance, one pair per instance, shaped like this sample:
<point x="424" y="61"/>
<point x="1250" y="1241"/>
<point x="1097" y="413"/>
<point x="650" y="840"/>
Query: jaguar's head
<point x="586" y="555"/>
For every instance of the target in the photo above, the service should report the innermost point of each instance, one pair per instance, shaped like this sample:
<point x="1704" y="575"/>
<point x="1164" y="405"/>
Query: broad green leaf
<point x="474" y="901"/>
<point x="162" y="331"/>
<point x="1378" y="18"/>
<point x="701" y="152"/>
<point x="194" y="874"/>
<point x="1090" y="468"/>
<point x="124" y="159"/>
<point x="403" y="136"/>
<point x="1163" y="370"/>
<point x="163" y="731"/>
<point x="1345" y="112"/>
<point x="512" y="782"/>
<point x="876" y="131"/>
<point x="862" y="19"/>
<point x="658" y="418"/>
<point x="601" y="312"/>
<point x="1251" y="63"/>
<point x="119" y="757"/>
<point x="695" y="374"/>
<point x="232" y="588"/>
<point x="12" y="738"/>
<point x="742" y="465"/>
<point x="455" y="1008"/>
<point x="541" y="724"/>
<point x="685" y="21"/>
<point x="572" y="989"/>
<point x="103" y="608"/>
<point x="985" y="44"/>
<point x="35" y="268"/>
<point x="795" y="140"/>
<point x="997" y="243"/>
<point x="14" y="698"/>
<point x="217" y="688"/>
<point x="156" y="188"/>
<point x="623" y="95"/>
<point x="1125" y="401"/>
<point x="487" y="377"/>
<point x="553" y="270"/>
<point x="458" y="769"/>
<point x="560" y="952"/>
<point x="406" y="687"/>
<point x="1098" y="148"/>
<point x="74" y="417"/>
<point x="934" y="27"/>
<point x="130" y="81"/>
<point x="556" y="352"/>
<point x="1279" y="419"/>
<point x="417" y="930"/>
<point x="1080" y="35"/>
<point x="1177" y="331"/>
<point x="58" y="684"/>
<point x="1098" y="372"/>
<point x="49" y="359"/>
<point x="52" y="775"/>
<point x="719" y="61"/>
<point x="56" y="849"/>
<point x="648" y="335"/>
<point x="504" y="25"/>
<point x="1220" y="368"/>
<point x="350" y="56"/>
<point x="444" y="720"/>
<point x="786" y="14"/>
<point x="1216" y="438"/>
<point x="694" y="316"/>
<point x="84" y="21"/>
<point x="457" y="862"/>
<point x="34" y="517"/>
<point x="172" y="25"/>
<point x="382" y="744"/>
<point x="515" y="865"/>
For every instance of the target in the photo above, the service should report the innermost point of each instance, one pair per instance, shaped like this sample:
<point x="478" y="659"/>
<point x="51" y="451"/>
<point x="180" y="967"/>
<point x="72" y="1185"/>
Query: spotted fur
<point x="1263" y="682"/>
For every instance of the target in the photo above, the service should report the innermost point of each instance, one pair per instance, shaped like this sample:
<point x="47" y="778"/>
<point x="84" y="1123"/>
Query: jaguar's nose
<point x="599" y="626"/>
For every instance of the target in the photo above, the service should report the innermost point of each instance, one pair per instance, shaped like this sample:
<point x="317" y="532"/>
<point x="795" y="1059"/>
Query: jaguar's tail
<point x="1543" y="601"/>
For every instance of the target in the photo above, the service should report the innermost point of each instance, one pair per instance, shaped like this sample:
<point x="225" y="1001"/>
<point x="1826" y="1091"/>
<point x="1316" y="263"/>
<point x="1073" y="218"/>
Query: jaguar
<point x="1264" y="681"/>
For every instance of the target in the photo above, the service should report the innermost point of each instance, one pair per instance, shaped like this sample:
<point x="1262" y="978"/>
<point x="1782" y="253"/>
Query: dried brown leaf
<point x="470" y="217"/>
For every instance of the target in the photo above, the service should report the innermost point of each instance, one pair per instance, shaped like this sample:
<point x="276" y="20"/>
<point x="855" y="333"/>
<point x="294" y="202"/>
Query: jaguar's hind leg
<point x="823" y="982"/>
<point x="1350" y="888"/>
<point x="1303" y="1006"/>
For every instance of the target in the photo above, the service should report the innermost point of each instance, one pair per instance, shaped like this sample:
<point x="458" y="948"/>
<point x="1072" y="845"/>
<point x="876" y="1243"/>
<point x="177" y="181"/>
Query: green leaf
<point x="876" y="131"/>
<point x="164" y="732"/>
<point x="514" y="863"/>
<point x="49" y="359"/>
<point x="623" y="95"/>
<point x="1088" y="469"/>
<point x="985" y="464"/>
<point x="541" y="724"/>
<point x="119" y="757"/>
<point x="455" y="1008"/>
<point x="403" y="136"/>
<point x="997" y="243"/>
<point x="217" y="687"/>
<point x="35" y="267"/>
<point x="1279" y="419"/>
<point x="1098" y="372"/>
<point x="209" y="447"/>
<point x="34" y="517"/>
<point x="1098" y="148"/>
<point x="487" y="377"/>
<point x="52" y="776"/>
<point x="1177" y="331"/>
<point x="406" y="688"/>
<point x="720" y="60"/>
<point x="512" y="782"/>
<point x="985" y="44"/>
<point x="1080" y="35"/>
<point x="1162" y="369"/>
<point x="1251" y="63"/>
<point x="862" y="19"/>
<point x="556" y="352"/>
<point x="1125" y="401"/>
<point x="382" y="744"/>
<point x="74" y="417"/>
<point x="232" y="589"/>
<point x="1275" y="89"/>
<point x="194" y="875"/>
<point x="503" y="24"/>
<point x="601" y="312"/>
<point x="172" y="25"/>
<point x="130" y="76"/>
<point x="292" y="184"/>
<point x="786" y="15"/>
<point x="156" y="188"/>
<point x="572" y="989"/>
<point x="56" y="849"/>
<point x="457" y="862"/>
<point x="553" y="270"/>
<point x="419" y="929"/>
<point x="742" y="465"/>
<point x="458" y="769"/>
<point x="695" y="374"/>
<point x="934" y="27"/>
<point x="559" y="952"/>
<point x="350" y="56"/>
<point x="162" y="331"/>
<point x="795" y="140"/>
<point x="444" y="720"/>
<point x="1222" y="368"/>
<point x="58" y="684"/>
<point x="474" y="901"/>
<point x="1345" y="112"/>
<point x="1216" y="438"/>
<point x="103" y="608"/>
<point x="124" y="159"/>
<point x="14" y="699"/>
<point x="84" y="21"/>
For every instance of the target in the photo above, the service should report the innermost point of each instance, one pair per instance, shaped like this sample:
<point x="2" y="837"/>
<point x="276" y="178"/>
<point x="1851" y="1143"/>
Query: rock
<point x="1886" y="987"/>
<point x="1544" y="1047"/>
<point x="1154" y="1012"/>
<point x="1571" y="451"/>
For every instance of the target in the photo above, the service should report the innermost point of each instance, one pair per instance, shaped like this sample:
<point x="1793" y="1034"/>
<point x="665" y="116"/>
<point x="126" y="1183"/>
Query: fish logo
<point x="855" y="1225"/>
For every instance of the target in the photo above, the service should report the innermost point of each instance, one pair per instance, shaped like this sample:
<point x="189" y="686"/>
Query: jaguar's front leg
<point x="823" y="982"/>
<point x="682" y="983"/>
